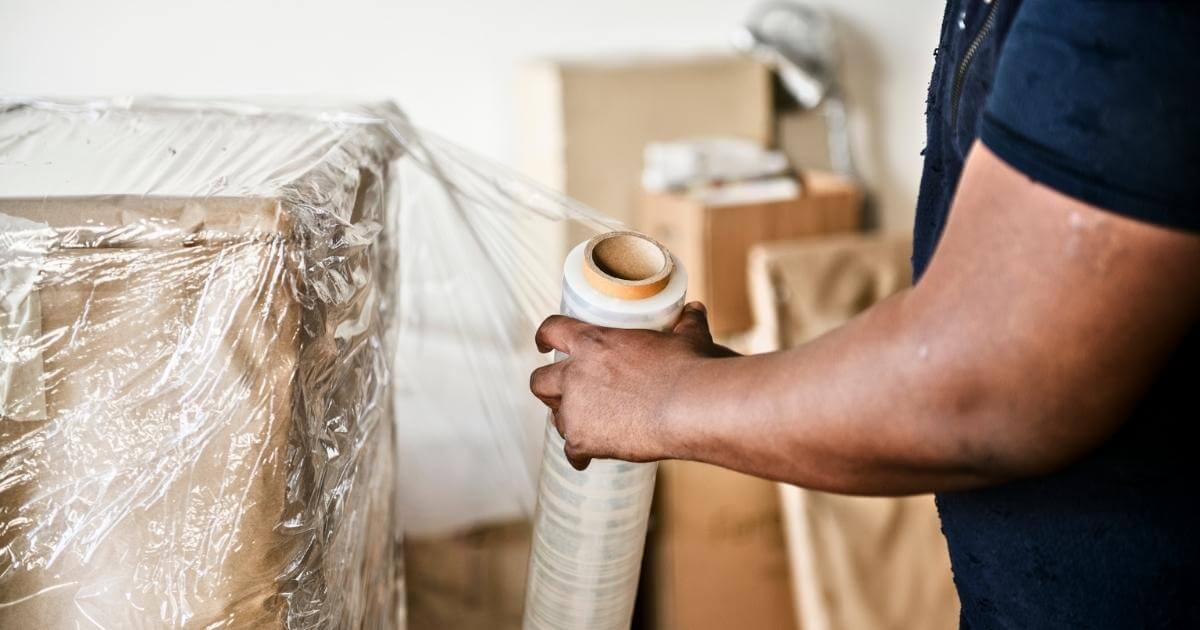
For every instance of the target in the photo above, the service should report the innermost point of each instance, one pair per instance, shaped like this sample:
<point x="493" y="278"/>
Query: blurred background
<point x="452" y="65"/>
<point x="775" y="149"/>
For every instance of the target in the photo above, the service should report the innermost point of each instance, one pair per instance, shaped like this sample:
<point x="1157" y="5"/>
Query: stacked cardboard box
<point x="714" y="240"/>
<point x="584" y="124"/>
<point x="716" y="556"/>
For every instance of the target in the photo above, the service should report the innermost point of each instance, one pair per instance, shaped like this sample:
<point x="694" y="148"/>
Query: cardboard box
<point x="868" y="563"/>
<point x="209" y="443"/>
<point x="168" y="453"/>
<point x="474" y="580"/>
<point x="826" y="281"/>
<point x="716" y="554"/>
<point x="804" y="138"/>
<point x="714" y="241"/>
<point x="125" y="306"/>
<point x="584" y="124"/>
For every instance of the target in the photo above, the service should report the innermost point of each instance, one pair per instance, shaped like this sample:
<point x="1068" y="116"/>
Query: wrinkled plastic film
<point x="590" y="526"/>
<point x="198" y="307"/>
<point x="481" y="259"/>
<point x="238" y="342"/>
<point x="195" y="421"/>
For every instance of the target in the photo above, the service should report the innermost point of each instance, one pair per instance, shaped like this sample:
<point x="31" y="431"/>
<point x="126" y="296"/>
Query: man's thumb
<point x="693" y="322"/>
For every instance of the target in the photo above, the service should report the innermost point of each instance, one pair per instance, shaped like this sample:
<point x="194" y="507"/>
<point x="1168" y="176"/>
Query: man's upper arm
<point x="1071" y="254"/>
<point x="1055" y="314"/>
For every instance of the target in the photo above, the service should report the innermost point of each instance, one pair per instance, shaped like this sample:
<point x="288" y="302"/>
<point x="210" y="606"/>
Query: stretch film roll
<point x="590" y="526"/>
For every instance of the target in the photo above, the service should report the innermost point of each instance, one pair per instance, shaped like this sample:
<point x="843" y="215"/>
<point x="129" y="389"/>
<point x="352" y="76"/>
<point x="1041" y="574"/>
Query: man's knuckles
<point x="592" y="338"/>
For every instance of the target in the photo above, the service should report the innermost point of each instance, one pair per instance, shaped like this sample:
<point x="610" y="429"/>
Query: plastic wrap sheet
<point x="239" y="342"/>
<point x="482" y="251"/>
<point x="194" y="427"/>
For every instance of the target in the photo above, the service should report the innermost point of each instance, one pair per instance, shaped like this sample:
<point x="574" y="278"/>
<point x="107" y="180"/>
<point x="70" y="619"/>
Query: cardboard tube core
<point x="627" y="265"/>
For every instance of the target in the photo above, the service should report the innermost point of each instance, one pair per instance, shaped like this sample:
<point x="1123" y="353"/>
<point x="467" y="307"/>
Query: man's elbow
<point x="998" y="436"/>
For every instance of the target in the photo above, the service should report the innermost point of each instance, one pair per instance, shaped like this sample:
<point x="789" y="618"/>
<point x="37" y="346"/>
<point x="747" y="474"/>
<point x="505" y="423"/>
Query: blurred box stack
<point x="716" y="557"/>
<point x="583" y="124"/>
<point x="710" y="200"/>
<point x="583" y="128"/>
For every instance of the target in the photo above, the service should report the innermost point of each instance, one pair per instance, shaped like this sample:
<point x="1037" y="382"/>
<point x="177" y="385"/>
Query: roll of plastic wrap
<point x="590" y="526"/>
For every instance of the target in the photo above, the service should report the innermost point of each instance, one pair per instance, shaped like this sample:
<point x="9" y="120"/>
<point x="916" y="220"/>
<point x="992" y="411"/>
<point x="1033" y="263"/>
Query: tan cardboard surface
<point x="124" y="382"/>
<point x="179" y="474"/>
<point x="473" y="580"/>
<point x="716" y="554"/>
<point x="714" y="241"/>
<point x="584" y="124"/>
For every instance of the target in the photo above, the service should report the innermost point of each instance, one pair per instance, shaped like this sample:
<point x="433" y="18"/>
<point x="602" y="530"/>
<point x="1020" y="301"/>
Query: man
<point x="1038" y="376"/>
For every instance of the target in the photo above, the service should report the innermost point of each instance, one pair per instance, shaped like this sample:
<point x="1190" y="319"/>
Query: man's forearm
<point x="1034" y="331"/>
<point x="1037" y="326"/>
<point x="865" y="409"/>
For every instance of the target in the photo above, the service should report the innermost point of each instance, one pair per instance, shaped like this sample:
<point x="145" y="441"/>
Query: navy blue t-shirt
<point x="1099" y="100"/>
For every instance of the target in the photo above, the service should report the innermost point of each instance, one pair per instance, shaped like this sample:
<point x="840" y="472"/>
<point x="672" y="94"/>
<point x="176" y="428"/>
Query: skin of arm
<point x="1036" y="327"/>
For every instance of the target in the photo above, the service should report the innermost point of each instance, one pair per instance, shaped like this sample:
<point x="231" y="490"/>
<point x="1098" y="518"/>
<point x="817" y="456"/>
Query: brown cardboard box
<point x="474" y="580"/>
<point x="714" y="241"/>
<point x="717" y="558"/>
<point x="199" y="433"/>
<point x="584" y="124"/>
<point x="802" y="289"/>
<point x="124" y="306"/>
<point x="175" y="478"/>
<point x="804" y="138"/>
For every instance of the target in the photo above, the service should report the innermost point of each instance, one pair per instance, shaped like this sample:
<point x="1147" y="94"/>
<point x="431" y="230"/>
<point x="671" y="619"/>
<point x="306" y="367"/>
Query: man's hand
<point x="610" y="394"/>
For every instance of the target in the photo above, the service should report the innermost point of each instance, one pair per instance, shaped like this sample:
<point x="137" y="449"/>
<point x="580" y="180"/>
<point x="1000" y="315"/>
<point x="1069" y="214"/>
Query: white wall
<point x="448" y="62"/>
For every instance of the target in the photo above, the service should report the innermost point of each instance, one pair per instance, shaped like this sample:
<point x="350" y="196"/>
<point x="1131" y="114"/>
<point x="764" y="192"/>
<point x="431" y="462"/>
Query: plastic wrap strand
<point x="590" y="525"/>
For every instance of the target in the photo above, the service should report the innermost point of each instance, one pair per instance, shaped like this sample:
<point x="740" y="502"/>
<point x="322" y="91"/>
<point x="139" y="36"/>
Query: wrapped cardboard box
<point x="200" y="434"/>
<point x="226" y="329"/>
<point x="803" y="288"/>
<point x="714" y="240"/>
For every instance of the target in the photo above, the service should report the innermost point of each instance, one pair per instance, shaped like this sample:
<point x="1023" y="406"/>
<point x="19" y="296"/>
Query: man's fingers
<point x="558" y="425"/>
<point x="577" y="460"/>
<point x="546" y="383"/>
<point x="693" y="322"/>
<point x="563" y="334"/>
<point x="558" y="332"/>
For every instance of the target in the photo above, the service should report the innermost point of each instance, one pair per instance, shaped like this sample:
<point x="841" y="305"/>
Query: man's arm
<point x="1037" y="326"/>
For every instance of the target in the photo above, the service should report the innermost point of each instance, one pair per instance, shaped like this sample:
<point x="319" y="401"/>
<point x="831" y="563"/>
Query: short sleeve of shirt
<point x="1100" y="100"/>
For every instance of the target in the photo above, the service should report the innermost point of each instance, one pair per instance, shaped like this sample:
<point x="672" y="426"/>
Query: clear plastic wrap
<point x="590" y="525"/>
<point x="242" y="345"/>
<point x="195" y="427"/>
